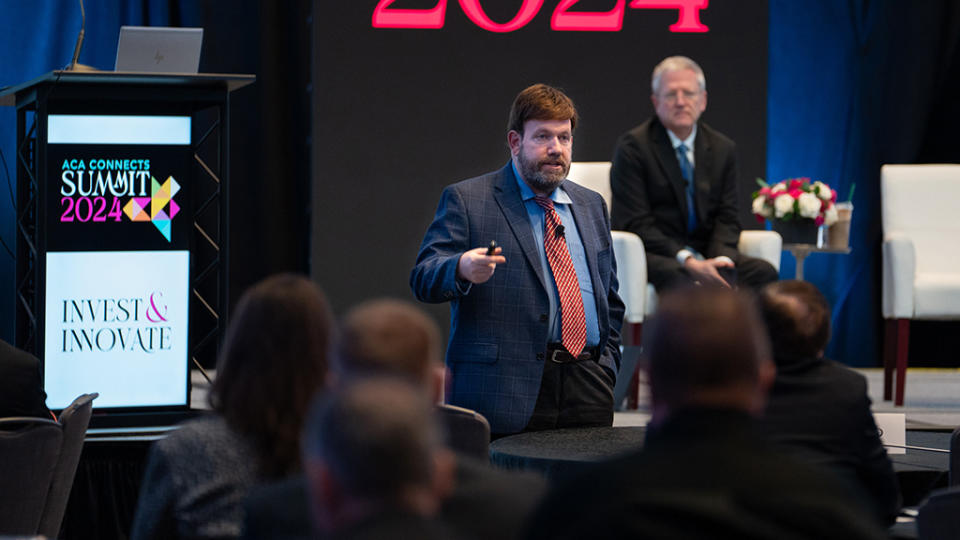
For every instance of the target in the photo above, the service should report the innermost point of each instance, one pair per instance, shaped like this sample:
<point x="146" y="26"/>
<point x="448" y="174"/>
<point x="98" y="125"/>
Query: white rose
<point x="830" y="215"/>
<point x="778" y="187"/>
<point x="824" y="190"/>
<point x="760" y="207"/>
<point x="809" y="205"/>
<point x="782" y="206"/>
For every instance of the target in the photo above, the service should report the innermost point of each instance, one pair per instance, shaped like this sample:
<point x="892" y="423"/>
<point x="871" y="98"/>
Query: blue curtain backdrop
<point x="855" y="84"/>
<point x="37" y="37"/>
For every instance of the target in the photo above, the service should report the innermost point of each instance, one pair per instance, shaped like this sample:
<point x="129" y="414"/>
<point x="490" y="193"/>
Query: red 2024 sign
<point x="562" y="19"/>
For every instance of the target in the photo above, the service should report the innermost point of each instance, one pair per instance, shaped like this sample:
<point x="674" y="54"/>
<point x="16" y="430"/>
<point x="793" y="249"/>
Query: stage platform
<point x="931" y="399"/>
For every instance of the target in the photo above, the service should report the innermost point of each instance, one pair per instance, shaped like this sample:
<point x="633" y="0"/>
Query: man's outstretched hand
<point x="476" y="266"/>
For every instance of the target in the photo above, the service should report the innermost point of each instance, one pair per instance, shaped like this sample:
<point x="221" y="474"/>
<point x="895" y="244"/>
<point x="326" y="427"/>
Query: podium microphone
<point x="74" y="66"/>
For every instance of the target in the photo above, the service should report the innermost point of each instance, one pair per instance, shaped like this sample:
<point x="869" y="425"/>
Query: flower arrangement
<point x="795" y="199"/>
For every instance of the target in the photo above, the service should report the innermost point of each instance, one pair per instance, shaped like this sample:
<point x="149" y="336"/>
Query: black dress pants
<point x="573" y="394"/>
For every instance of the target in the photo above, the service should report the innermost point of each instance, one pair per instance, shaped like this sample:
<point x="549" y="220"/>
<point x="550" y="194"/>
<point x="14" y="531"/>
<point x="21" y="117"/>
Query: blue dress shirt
<point x="536" y="214"/>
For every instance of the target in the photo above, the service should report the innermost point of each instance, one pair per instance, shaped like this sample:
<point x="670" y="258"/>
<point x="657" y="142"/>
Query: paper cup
<point x="838" y="234"/>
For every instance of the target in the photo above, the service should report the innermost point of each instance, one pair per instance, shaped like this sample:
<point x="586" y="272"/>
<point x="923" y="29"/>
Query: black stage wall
<point x="398" y="113"/>
<point x="269" y="133"/>
<point x="270" y="162"/>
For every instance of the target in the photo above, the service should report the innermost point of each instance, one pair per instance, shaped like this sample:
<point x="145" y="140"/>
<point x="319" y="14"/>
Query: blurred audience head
<point x="706" y="347"/>
<point x="797" y="317"/>
<point x="390" y="337"/>
<point x="274" y="359"/>
<point x="371" y="445"/>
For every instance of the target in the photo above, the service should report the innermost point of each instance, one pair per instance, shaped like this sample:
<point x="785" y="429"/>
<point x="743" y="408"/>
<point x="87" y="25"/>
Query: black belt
<point x="557" y="353"/>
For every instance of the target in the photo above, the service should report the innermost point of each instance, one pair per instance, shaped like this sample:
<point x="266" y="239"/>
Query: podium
<point x="122" y="237"/>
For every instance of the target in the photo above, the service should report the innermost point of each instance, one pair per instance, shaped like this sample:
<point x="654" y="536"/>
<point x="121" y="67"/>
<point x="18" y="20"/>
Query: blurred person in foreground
<point x="375" y="463"/>
<point x="704" y="472"/>
<point x="273" y="361"/>
<point x="818" y="409"/>
<point x="21" y="384"/>
<point x="387" y="337"/>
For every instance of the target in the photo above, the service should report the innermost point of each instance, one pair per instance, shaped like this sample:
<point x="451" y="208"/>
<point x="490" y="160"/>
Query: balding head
<point x="707" y="346"/>
<point x="797" y="317"/>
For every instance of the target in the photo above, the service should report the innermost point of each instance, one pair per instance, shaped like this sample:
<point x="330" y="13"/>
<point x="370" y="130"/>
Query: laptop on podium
<point x="159" y="49"/>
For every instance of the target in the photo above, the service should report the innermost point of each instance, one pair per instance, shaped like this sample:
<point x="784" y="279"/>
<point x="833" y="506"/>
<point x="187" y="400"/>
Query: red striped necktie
<point x="573" y="325"/>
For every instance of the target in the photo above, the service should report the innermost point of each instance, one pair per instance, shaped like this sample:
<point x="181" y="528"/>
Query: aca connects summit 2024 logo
<point x="98" y="190"/>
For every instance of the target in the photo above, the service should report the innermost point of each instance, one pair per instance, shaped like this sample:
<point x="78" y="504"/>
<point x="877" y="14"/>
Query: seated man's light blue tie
<point x="686" y="170"/>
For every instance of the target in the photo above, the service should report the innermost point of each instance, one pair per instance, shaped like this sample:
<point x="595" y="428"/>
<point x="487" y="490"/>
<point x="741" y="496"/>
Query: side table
<point x="801" y="251"/>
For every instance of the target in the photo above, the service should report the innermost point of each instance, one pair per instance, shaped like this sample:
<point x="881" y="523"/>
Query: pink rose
<point x="760" y="219"/>
<point x="833" y="195"/>
<point x="818" y="220"/>
<point x="765" y="191"/>
<point x="795" y="192"/>
<point x="795" y="183"/>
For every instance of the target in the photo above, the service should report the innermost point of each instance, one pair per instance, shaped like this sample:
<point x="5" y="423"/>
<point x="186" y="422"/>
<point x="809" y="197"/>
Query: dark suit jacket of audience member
<point x="820" y="412"/>
<point x="489" y="502"/>
<point x="399" y="525"/>
<point x="278" y="511"/>
<point x="486" y="503"/>
<point x="704" y="473"/>
<point x="21" y="387"/>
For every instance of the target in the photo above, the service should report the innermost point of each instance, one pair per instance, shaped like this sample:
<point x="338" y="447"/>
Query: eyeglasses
<point x="672" y="97"/>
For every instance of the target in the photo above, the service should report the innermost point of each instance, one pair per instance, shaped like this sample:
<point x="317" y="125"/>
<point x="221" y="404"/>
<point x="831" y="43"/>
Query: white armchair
<point x="627" y="247"/>
<point x="766" y="245"/>
<point x="921" y="262"/>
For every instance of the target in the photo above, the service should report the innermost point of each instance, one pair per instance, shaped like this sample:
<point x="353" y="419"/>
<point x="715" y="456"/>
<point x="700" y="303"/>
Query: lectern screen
<point x="117" y="260"/>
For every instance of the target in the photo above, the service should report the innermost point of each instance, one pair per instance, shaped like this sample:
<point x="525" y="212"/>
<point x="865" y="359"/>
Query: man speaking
<point x="535" y="317"/>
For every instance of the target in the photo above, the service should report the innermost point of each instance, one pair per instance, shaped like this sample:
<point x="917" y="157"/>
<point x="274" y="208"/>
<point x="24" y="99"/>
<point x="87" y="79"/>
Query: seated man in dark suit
<point x="818" y="409"/>
<point x="675" y="184"/>
<point x="21" y="389"/>
<point x="703" y="472"/>
<point x="375" y="463"/>
<point x="394" y="338"/>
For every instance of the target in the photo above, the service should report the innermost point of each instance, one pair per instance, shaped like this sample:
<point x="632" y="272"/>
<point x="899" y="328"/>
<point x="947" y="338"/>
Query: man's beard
<point x="543" y="181"/>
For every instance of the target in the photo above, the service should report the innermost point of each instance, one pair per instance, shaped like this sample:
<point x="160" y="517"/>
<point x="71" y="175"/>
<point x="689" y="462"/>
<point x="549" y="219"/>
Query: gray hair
<point x="676" y="63"/>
